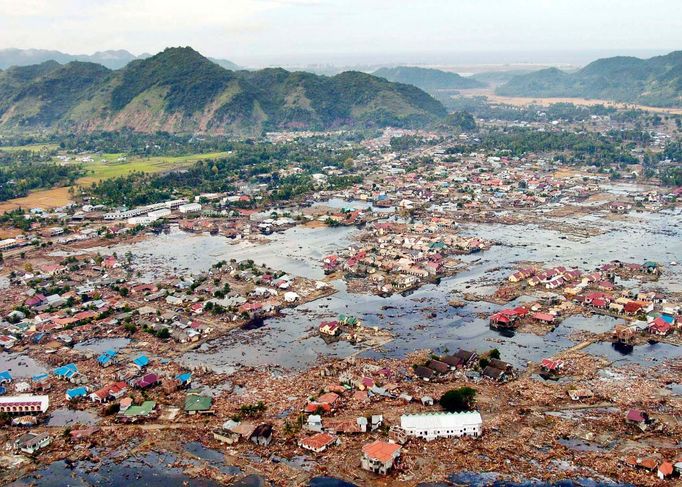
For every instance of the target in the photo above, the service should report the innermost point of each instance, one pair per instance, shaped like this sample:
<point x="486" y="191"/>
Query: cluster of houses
<point x="468" y="362"/>
<point x="97" y="294"/>
<point x="597" y="292"/>
<point x="664" y="469"/>
<point x="394" y="257"/>
<point x="327" y="426"/>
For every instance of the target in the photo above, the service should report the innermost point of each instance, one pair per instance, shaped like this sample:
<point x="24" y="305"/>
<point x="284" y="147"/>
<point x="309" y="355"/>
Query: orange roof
<point x="313" y="407"/>
<point x="320" y="440"/>
<point x="328" y="398"/>
<point x="381" y="451"/>
<point x="360" y="396"/>
<point x="65" y="321"/>
<point x="648" y="463"/>
<point x="631" y="460"/>
<point x="666" y="468"/>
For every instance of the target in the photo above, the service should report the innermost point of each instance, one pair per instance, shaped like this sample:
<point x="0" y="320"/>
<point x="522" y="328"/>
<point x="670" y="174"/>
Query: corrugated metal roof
<point x="440" y="420"/>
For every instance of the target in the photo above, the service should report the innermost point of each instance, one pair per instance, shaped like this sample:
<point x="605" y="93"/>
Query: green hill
<point x="179" y="90"/>
<point x="428" y="79"/>
<point x="656" y="81"/>
<point x="42" y="94"/>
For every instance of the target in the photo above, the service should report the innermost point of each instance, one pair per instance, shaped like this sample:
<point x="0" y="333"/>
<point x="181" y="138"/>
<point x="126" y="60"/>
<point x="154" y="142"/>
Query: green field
<point x="31" y="147"/>
<point x="105" y="166"/>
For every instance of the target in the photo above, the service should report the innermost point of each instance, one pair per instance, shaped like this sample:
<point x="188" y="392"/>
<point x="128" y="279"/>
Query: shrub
<point x="456" y="400"/>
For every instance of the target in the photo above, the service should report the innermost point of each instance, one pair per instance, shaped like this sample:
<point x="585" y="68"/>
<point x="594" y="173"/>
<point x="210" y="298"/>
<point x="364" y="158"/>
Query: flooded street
<point x="151" y="469"/>
<point x="422" y="319"/>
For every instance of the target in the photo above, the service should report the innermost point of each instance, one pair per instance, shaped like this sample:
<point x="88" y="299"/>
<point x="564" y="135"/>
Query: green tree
<point x="461" y="399"/>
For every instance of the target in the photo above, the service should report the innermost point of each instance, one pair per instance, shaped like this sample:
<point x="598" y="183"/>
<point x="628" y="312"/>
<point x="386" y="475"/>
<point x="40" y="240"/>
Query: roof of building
<point x="185" y="377"/>
<point x="320" y="440"/>
<point x="636" y="415"/>
<point x="26" y="400"/>
<point x="196" y="402"/>
<point x="141" y="361"/>
<point x="381" y="451"/>
<point x="68" y="371"/>
<point x="143" y="409"/>
<point x="440" y="420"/>
<point x="77" y="392"/>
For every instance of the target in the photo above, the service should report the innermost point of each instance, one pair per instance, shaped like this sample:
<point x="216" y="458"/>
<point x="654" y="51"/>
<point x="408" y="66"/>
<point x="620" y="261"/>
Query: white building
<point x="140" y="210"/>
<point x="190" y="208"/>
<point x="8" y="243"/>
<point x="162" y="213"/>
<point x="141" y="220"/>
<point x="24" y="404"/>
<point x="442" y="425"/>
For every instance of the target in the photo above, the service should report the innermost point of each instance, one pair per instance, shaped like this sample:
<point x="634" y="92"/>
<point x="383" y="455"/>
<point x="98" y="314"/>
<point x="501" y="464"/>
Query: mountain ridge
<point x="112" y="59"/>
<point x="179" y="90"/>
<point x="655" y="81"/>
<point x="428" y="79"/>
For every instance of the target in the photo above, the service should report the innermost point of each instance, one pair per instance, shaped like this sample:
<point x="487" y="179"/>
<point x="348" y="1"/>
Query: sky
<point x="264" y="32"/>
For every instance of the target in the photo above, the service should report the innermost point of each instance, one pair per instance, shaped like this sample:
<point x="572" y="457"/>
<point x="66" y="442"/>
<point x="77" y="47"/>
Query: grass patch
<point x="30" y="147"/>
<point x="106" y="166"/>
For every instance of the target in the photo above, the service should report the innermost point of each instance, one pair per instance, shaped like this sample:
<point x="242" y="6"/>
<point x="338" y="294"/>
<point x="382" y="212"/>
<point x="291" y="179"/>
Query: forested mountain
<point x="656" y="81"/>
<point x="427" y="79"/>
<point x="179" y="90"/>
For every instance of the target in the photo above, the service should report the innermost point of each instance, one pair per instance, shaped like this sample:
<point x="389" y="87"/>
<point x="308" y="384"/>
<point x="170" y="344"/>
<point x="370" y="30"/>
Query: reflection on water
<point x="21" y="366"/>
<point x="329" y="482"/>
<point x="215" y="458"/>
<point x="487" y="479"/>
<point x="100" y="345"/>
<point x="298" y="250"/>
<point x="423" y="319"/>
<point x="68" y="417"/>
<point x="150" y="469"/>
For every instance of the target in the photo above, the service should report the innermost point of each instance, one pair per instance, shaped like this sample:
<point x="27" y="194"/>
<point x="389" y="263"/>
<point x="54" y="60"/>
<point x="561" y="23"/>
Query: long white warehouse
<point x="442" y="425"/>
<point x="24" y="404"/>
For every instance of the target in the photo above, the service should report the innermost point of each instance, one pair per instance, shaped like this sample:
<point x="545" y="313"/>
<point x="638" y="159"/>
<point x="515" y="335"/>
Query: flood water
<point x="423" y="319"/>
<point x="215" y="458"/>
<point x="298" y="250"/>
<point x="70" y="417"/>
<point x="152" y="469"/>
<point x="20" y="366"/>
<point x="100" y="345"/>
<point x="487" y="479"/>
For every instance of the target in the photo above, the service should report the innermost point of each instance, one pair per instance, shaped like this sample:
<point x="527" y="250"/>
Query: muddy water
<point x="474" y="479"/>
<point x="21" y="366"/>
<point x="424" y="319"/>
<point x="69" y="417"/>
<point x="150" y="469"/>
<point x="297" y="250"/>
<point x="100" y="345"/>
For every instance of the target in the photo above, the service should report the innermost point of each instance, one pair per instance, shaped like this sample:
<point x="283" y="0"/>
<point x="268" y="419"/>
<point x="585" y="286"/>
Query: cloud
<point x="273" y="29"/>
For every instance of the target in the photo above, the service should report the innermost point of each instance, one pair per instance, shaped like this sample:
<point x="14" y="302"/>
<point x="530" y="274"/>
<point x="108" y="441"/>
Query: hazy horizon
<point x="494" y="60"/>
<point x="260" y="33"/>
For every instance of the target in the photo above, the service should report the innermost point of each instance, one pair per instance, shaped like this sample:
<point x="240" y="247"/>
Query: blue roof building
<point x="68" y="371"/>
<point x="141" y="362"/>
<point x="76" y="392"/>
<point x="106" y="358"/>
<point x="5" y="377"/>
